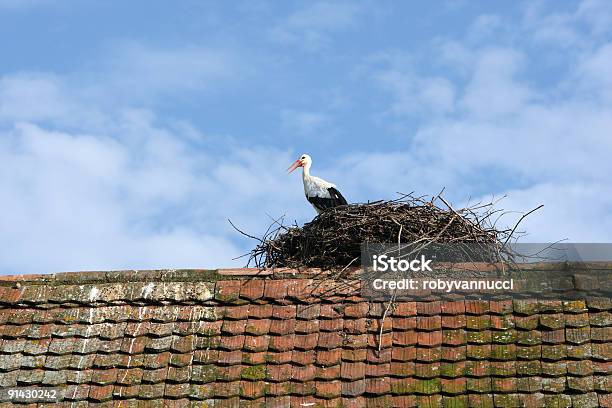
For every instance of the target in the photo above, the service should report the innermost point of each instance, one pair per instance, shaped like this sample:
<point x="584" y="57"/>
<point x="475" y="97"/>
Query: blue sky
<point x="131" y="131"/>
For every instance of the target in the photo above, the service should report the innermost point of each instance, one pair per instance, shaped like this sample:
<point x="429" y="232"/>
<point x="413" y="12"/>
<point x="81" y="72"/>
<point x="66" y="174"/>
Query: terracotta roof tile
<point x="505" y="306"/>
<point x="357" y="326"/>
<point x="405" y="309"/>
<point x="255" y="358"/>
<point x="226" y="389"/>
<point x="332" y="340"/>
<point x="304" y="373"/>
<point x="282" y="343"/>
<point x="227" y="291"/>
<point x="354" y="355"/>
<point x="453" y="307"/>
<point x="328" y="373"/>
<point x="378" y="386"/>
<point x="300" y="289"/>
<point x="373" y="356"/>
<point x="380" y="341"/>
<point x="303" y="389"/>
<point x="306" y="341"/>
<point x="429" y="308"/>
<point x="233" y="327"/>
<point x="284" y="311"/>
<point x="230" y="357"/>
<point x="278" y="373"/>
<point x="454" y="337"/>
<point x="276" y="289"/>
<point x="597" y="319"/>
<point x="403" y="353"/>
<point x="429" y="323"/>
<point x="477" y="307"/>
<point x="307" y="312"/>
<point x="254" y="343"/>
<point x="453" y="353"/>
<point x="355" y="341"/>
<point x="257" y="327"/>
<point x="252" y="289"/>
<point x="279" y="357"/>
<point x="405" y="338"/>
<point x="404" y="323"/>
<point x="306" y="326"/>
<point x="333" y="325"/>
<point x="358" y="310"/>
<point x="252" y="389"/>
<point x="302" y="358"/>
<point x="453" y="321"/>
<point x="328" y="357"/>
<point x="244" y="341"/>
<point x="402" y="369"/>
<point x="353" y="388"/>
<point x="278" y="402"/>
<point x="430" y="339"/>
<point x="428" y="354"/>
<point x="228" y="343"/>
<point x="332" y="311"/>
<point x="453" y="386"/>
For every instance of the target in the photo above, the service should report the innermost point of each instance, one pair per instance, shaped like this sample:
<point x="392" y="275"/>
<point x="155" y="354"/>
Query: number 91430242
<point x="30" y="394"/>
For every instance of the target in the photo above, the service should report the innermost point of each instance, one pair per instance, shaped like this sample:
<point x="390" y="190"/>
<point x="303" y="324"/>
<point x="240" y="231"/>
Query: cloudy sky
<point x="130" y="133"/>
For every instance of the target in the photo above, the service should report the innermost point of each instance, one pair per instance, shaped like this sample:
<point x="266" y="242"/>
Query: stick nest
<point x="332" y="240"/>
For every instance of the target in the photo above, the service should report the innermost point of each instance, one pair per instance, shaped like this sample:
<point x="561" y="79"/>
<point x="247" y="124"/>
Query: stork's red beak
<point x="294" y="166"/>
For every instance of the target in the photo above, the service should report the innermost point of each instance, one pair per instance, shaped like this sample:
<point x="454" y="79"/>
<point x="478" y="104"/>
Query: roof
<point x="230" y="338"/>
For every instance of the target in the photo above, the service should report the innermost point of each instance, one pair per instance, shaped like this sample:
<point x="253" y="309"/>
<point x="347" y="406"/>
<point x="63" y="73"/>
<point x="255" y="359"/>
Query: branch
<point x="518" y="222"/>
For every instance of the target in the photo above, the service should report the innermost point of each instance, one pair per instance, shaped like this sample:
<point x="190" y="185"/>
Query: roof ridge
<point x="195" y="274"/>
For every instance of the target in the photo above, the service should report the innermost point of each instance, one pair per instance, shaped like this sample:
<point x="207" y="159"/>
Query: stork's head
<point x="303" y="161"/>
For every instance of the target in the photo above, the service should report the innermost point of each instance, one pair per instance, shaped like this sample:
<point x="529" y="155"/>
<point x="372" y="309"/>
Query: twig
<point x="242" y="232"/>
<point x="518" y="222"/>
<point x="382" y="321"/>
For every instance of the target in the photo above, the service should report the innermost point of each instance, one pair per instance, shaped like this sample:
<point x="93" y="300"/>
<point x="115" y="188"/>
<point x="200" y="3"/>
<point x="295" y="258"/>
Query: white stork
<point x="320" y="193"/>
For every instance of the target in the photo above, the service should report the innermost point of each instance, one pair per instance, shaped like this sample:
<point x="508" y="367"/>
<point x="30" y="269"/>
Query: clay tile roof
<point x="242" y="338"/>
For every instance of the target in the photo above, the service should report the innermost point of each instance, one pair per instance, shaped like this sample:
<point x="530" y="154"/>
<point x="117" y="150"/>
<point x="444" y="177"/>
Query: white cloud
<point x="303" y="122"/>
<point x="578" y="212"/>
<point x="92" y="183"/>
<point x="32" y="96"/>
<point x="397" y="73"/>
<point x="553" y="29"/>
<point x="566" y="29"/>
<point x="484" y="26"/>
<point x="596" y="13"/>
<point x="552" y="155"/>
<point x="413" y="94"/>
<point x="493" y="90"/>
<point x="150" y="71"/>
<point x="310" y="27"/>
<point x="539" y="143"/>
<point x="130" y="74"/>
<point x="454" y="55"/>
<point x="124" y="191"/>
<point x="144" y="199"/>
<point x="594" y="73"/>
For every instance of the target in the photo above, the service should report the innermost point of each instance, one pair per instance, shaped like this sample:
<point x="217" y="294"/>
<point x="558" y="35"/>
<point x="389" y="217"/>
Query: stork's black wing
<point x="335" y="194"/>
<point x="335" y="199"/>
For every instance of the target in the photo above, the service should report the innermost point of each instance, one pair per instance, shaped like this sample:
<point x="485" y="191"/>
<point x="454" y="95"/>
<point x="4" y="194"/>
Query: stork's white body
<point x="320" y="193"/>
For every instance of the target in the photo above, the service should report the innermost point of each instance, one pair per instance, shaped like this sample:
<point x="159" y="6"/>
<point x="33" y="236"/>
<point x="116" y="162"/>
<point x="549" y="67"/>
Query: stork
<point x="320" y="193"/>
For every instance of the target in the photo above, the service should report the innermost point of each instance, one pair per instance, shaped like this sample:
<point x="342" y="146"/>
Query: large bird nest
<point x="333" y="239"/>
